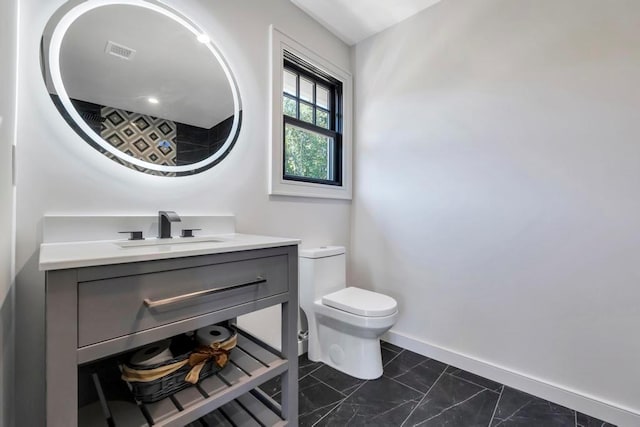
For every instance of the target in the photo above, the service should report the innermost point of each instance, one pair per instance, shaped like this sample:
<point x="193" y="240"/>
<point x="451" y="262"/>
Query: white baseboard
<point x="590" y="405"/>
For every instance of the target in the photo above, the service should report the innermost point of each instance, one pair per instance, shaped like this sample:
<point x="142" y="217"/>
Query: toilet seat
<point x="361" y="302"/>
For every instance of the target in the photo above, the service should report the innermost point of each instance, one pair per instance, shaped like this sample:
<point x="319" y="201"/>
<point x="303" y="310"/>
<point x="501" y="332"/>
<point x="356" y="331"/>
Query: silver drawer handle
<point x="193" y="295"/>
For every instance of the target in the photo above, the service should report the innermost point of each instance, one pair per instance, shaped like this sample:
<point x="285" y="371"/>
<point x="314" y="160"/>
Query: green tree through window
<point x="307" y="154"/>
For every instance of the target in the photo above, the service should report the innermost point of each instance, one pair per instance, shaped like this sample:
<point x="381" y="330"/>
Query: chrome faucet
<point x="165" y="218"/>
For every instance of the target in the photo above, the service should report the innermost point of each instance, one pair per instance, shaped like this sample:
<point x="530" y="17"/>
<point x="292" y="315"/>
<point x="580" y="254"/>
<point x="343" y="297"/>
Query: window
<point x="311" y="133"/>
<point x="312" y="141"/>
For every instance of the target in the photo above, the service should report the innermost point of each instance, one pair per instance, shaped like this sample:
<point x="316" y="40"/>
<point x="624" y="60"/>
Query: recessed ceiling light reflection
<point x="203" y="38"/>
<point x="153" y="100"/>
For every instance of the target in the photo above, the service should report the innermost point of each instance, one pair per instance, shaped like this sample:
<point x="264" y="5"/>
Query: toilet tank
<point x="322" y="271"/>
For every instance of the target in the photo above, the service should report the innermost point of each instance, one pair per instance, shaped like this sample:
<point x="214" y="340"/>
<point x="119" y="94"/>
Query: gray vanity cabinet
<point x="93" y="313"/>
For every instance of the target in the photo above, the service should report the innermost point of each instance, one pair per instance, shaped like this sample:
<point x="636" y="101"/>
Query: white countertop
<point x="59" y="256"/>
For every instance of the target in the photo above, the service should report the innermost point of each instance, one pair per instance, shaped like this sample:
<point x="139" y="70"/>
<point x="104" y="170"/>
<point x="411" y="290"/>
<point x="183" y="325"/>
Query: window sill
<point x="307" y="189"/>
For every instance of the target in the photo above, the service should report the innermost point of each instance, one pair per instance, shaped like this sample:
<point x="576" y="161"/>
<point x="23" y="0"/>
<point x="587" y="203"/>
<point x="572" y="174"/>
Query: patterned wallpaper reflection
<point x="144" y="137"/>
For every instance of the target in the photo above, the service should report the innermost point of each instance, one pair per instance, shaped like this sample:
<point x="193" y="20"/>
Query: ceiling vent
<point x="120" y="51"/>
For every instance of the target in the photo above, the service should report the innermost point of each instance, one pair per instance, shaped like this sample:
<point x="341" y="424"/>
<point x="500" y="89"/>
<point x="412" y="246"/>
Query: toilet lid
<point x="361" y="302"/>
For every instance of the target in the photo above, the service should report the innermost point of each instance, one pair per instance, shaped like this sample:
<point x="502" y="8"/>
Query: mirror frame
<point x="51" y="54"/>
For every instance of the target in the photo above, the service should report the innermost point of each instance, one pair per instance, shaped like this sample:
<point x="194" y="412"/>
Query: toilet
<point x="345" y="323"/>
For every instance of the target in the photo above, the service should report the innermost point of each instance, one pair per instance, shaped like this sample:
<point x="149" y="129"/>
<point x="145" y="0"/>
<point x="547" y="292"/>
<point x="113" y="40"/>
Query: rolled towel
<point x="212" y="334"/>
<point x="153" y="354"/>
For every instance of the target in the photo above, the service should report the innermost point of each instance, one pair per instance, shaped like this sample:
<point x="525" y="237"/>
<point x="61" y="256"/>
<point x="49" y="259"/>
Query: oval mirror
<point x="142" y="84"/>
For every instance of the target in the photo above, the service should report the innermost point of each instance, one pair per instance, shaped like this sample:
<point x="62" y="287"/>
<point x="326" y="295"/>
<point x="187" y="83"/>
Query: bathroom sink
<point x="165" y="242"/>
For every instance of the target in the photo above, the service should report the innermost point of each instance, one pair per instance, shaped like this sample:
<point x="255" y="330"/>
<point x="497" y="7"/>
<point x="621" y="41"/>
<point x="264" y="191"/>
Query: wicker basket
<point x="153" y="391"/>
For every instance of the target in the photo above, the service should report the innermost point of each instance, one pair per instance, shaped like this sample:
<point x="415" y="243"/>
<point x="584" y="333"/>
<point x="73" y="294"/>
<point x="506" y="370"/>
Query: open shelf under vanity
<point x="84" y="387"/>
<point x="220" y="399"/>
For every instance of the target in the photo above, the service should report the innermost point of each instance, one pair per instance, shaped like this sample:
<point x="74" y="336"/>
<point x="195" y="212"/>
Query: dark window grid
<point x="334" y="92"/>
<point x="335" y="123"/>
<point x="335" y="95"/>
<point x="335" y="152"/>
<point x="314" y="107"/>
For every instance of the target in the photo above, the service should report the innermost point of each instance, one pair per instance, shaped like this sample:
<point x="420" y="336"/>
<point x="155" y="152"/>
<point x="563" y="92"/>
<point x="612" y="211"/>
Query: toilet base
<point x="356" y="356"/>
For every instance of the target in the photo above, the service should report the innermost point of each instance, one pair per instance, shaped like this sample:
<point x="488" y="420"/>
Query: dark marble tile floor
<point x="418" y="391"/>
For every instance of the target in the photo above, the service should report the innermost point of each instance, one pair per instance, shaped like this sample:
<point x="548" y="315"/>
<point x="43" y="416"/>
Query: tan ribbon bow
<point x="219" y="352"/>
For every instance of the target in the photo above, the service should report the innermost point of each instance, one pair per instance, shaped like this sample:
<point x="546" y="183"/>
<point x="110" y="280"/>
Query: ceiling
<point x="169" y="64"/>
<point x="355" y="20"/>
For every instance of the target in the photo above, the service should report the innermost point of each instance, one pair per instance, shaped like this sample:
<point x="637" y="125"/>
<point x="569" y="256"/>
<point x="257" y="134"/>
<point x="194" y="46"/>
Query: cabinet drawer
<point x="112" y="308"/>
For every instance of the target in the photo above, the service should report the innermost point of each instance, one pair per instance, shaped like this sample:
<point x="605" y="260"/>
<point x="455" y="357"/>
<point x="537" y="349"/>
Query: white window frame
<point x="277" y="184"/>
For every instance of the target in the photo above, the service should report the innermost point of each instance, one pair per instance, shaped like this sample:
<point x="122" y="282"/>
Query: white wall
<point x="497" y="181"/>
<point x="59" y="173"/>
<point x="8" y="39"/>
